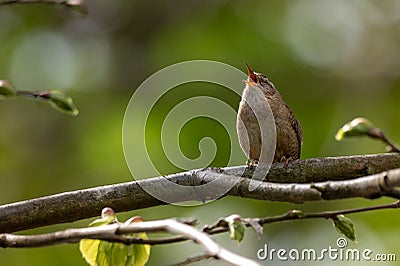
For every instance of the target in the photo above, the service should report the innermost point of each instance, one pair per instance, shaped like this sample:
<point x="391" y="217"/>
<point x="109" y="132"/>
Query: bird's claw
<point x="286" y="160"/>
<point x="251" y="162"/>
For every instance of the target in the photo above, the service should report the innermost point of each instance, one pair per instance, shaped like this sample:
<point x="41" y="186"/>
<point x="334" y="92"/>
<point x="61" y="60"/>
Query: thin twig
<point x="201" y="238"/>
<point x="34" y="94"/>
<point x="298" y="215"/>
<point x="116" y="233"/>
<point x="393" y="147"/>
<point x="328" y="214"/>
<point x="192" y="259"/>
<point x="113" y="232"/>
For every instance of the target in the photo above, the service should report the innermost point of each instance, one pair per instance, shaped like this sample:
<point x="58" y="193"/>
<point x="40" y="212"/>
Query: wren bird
<point x="289" y="136"/>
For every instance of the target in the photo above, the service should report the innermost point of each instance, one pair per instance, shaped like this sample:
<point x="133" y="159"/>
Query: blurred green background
<point x="331" y="61"/>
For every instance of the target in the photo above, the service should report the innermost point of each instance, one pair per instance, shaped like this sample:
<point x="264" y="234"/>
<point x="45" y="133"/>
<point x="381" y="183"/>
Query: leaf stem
<point x="392" y="146"/>
<point x="35" y="94"/>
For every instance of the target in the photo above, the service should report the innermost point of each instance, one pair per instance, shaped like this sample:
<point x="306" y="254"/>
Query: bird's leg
<point x="251" y="162"/>
<point x="286" y="160"/>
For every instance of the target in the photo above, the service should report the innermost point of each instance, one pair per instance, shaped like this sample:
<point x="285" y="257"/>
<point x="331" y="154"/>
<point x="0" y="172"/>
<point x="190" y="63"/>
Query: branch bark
<point x="302" y="180"/>
<point x="114" y="231"/>
<point x="119" y="232"/>
<point x="77" y="5"/>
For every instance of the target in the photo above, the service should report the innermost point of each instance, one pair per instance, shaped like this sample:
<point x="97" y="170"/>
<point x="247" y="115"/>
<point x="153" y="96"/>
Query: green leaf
<point x="357" y="127"/>
<point x="115" y="254"/>
<point x="89" y="249"/>
<point x="6" y="89"/>
<point x="119" y="254"/>
<point x="102" y="221"/>
<point x="60" y="101"/>
<point x="140" y="253"/>
<point x="104" y="253"/>
<point x="236" y="227"/>
<point x="345" y="226"/>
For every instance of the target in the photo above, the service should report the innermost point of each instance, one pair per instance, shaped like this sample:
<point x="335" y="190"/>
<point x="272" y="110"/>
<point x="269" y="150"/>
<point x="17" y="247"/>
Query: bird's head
<point x="259" y="80"/>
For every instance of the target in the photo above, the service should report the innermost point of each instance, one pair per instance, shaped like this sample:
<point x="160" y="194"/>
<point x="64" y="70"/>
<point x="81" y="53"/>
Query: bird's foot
<point x="251" y="163"/>
<point x="286" y="160"/>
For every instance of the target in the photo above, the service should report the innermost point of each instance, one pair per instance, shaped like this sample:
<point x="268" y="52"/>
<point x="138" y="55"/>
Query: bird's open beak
<point x="252" y="76"/>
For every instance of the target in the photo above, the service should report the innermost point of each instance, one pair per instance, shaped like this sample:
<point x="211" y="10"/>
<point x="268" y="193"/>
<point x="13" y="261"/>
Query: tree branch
<point x="114" y="231"/>
<point x="77" y="5"/>
<point x="117" y="232"/>
<point x="307" y="178"/>
<point x="220" y="227"/>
